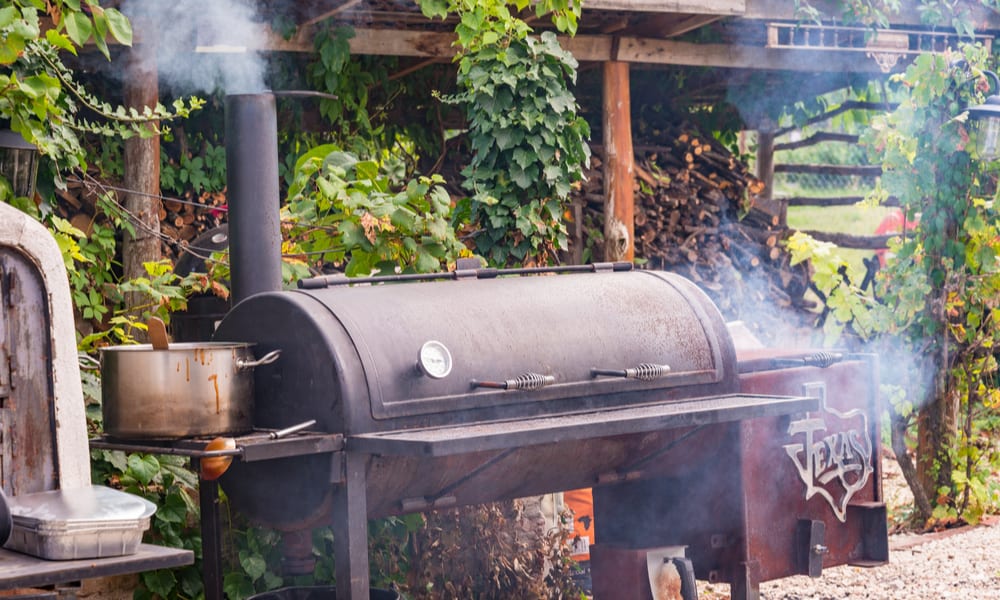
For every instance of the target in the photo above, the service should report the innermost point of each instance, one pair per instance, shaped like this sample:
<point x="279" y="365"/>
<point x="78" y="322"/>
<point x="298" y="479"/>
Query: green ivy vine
<point x="39" y="95"/>
<point x="957" y="14"/>
<point x="356" y="215"/>
<point x="936" y="308"/>
<point x="528" y="143"/>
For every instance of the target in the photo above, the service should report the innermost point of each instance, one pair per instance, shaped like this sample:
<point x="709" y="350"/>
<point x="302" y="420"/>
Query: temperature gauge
<point x="434" y="360"/>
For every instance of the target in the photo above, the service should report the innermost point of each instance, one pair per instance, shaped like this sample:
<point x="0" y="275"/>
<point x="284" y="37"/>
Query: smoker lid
<point x="425" y="346"/>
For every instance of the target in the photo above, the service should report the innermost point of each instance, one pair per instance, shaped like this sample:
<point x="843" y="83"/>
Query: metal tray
<point x="89" y="522"/>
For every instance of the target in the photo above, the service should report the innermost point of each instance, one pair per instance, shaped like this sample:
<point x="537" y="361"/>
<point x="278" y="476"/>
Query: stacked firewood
<point x="181" y="219"/>
<point x="695" y="215"/>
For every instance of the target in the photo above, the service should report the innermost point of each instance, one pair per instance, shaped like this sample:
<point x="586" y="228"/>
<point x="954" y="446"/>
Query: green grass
<point x="856" y="220"/>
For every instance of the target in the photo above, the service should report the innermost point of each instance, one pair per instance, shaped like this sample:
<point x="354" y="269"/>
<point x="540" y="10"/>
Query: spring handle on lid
<point x="818" y="359"/>
<point x="642" y="372"/>
<point x="527" y="381"/>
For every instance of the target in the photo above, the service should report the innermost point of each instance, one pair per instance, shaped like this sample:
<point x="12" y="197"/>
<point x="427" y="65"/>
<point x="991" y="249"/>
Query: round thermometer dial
<point x="434" y="360"/>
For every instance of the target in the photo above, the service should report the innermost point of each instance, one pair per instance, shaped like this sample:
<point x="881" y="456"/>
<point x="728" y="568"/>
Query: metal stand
<point x="350" y="530"/>
<point x="256" y="446"/>
<point x="211" y="537"/>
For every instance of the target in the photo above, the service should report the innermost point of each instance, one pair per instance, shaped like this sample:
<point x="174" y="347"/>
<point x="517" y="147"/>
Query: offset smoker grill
<point x="486" y="387"/>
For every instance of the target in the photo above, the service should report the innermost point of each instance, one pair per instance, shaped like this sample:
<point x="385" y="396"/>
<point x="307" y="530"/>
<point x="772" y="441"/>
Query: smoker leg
<point x="211" y="539"/>
<point x="745" y="585"/>
<point x="350" y="530"/>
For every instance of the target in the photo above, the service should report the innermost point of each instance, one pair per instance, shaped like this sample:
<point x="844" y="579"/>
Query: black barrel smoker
<point x="479" y="385"/>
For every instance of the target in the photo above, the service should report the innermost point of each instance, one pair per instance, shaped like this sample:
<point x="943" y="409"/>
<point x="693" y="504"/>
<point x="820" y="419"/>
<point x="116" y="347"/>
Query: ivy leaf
<point x="367" y="169"/>
<point x="520" y="176"/>
<point x="490" y="38"/>
<point x="427" y="263"/>
<point x="7" y="15"/>
<point x="11" y="49"/>
<point x="434" y="8"/>
<point x="143" y="467"/>
<point x="504" y="138"/>
<point x="78" y="27"/>
<point x="172" y="509"/>
<point x="119" y="26"/>
<point x="235" y="585"/>
<point x="253" y="565"/>
<point x="117" y="459"/>
<point x="523" y="158"/>
<point x="159" y="582"/>
<point x="60" y="41"/>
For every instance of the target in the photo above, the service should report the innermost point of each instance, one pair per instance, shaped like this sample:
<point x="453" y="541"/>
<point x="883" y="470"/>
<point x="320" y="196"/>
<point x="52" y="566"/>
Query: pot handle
<point x="267" y="359"/>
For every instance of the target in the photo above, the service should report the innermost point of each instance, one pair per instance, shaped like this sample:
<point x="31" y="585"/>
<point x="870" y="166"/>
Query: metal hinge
<point x="811" y="546"/>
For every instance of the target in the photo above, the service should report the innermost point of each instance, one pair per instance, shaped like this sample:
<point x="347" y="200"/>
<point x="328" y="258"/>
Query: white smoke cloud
<point x="201" y="46"/>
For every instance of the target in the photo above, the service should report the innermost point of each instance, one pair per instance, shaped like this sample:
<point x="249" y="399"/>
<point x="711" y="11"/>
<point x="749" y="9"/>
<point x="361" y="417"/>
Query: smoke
<point x="200" y="46"/>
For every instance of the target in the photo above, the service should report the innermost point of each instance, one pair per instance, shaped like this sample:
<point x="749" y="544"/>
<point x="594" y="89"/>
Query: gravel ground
<point x="956" y="564"/>
<point x="961" y="564"/>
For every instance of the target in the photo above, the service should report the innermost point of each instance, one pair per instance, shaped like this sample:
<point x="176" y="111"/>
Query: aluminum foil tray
<point x="90" y="522"/>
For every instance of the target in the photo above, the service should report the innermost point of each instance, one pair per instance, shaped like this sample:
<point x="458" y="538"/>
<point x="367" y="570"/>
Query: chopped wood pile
<point x="695" y="215"/>
<point x="181" y="219"/>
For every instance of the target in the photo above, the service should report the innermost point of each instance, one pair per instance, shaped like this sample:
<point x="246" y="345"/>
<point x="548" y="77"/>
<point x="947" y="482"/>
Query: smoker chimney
<point x="252" y="177"/>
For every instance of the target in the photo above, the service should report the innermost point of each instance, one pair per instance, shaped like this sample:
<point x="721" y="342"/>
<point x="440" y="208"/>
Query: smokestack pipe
<point x="252" y="178"/>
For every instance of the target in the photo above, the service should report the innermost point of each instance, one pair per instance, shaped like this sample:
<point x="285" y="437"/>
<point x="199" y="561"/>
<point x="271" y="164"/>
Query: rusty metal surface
<point x="740" y="511"/>
<point x="827" y="447"/>
<point x="27" y="427"/>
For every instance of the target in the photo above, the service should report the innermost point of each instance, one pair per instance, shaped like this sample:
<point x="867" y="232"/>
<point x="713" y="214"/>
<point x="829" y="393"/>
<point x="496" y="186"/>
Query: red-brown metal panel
<point x="822" y="466"/>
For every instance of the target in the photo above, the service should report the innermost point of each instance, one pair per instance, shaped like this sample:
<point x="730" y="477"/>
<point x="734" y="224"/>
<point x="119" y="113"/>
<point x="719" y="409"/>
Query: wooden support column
<point x="765" y="172"/>
<point x="141" y="168"/>
<point x="619" y="164"/>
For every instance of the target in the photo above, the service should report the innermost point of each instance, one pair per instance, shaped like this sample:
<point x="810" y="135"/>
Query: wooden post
<point x="141" y="170"/>
<point x="765" y="172"/>
<point x="619" y="159"/>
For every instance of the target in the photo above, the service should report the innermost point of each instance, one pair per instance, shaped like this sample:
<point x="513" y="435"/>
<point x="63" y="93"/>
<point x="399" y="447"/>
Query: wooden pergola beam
<point x="596" y="48"/>
<point x="332" y="12"/>
<point x="696" y="7"/>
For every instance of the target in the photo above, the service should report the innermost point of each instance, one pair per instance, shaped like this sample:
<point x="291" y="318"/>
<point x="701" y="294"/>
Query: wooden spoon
<point x="157" y="333"/>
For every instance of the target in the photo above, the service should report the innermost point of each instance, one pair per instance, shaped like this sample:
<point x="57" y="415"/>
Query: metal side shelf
<point x="502" y="435"/>
<point x="251" y="447"/>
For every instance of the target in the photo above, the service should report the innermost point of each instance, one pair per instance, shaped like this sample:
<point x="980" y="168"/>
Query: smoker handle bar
<point x="819" y="359"/>
<point x="315" y="283"/>
<point x="527" y="381"/>
<point x="642" y="372"/>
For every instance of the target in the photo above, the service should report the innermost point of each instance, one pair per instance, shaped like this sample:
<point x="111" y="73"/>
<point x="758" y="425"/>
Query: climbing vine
<point x="937" y="303"/>
<point x="957" y="14"/>
<point x="39" y="95"/>
<point x="528" y="143"/>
